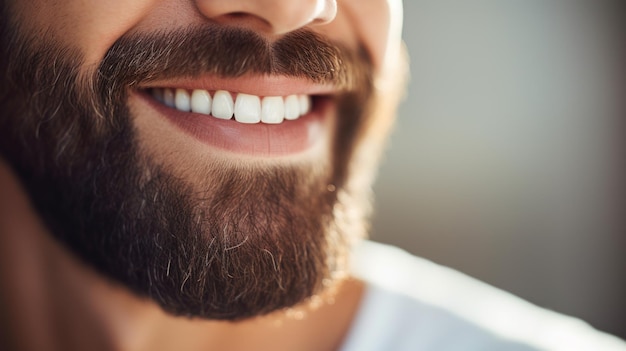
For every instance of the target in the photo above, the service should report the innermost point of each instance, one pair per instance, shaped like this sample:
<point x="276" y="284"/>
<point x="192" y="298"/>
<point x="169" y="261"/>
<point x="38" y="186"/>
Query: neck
<point x="51" y="301"/>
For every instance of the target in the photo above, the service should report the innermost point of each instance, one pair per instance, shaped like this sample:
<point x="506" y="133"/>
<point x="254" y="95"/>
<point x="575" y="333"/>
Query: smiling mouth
<point x="277" y="123"/>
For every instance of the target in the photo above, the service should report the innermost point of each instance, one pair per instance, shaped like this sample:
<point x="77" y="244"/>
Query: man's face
<point x="202" y="153"/>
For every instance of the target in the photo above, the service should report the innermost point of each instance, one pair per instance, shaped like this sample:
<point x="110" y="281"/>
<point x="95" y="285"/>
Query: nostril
<point x="237" y="15"/>
<point x="246" y="20"/>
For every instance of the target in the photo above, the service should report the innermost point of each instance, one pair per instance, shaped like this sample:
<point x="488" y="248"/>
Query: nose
<point x="270" y="16"/>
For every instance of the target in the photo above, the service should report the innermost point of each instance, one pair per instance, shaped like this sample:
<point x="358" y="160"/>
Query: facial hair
<point x="251" y="242"/>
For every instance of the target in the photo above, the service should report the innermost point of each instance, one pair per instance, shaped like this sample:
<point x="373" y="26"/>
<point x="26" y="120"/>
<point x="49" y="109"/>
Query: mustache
<point x="229" y="52"/>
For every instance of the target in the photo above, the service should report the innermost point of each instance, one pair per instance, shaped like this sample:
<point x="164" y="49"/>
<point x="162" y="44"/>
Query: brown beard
<point x="251" y="243"/>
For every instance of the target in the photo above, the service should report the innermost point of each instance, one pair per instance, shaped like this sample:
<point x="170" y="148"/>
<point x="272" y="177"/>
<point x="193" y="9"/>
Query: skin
<point x="103" y="316"/>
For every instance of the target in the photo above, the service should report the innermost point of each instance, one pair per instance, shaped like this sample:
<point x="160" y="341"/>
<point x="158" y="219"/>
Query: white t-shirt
<point x="412" y="304"/>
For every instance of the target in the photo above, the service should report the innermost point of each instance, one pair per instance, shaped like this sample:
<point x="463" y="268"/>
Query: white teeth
<point x="272" y="109"/>
<point x="305" y="104"/>
<point x="168" y="97"/>
<point x="246" y="108"/>
<point x="222" y="105"/>
<point x="201" y="102"/>
<point x="292" y="107"/>
<point x="182" y="100"/>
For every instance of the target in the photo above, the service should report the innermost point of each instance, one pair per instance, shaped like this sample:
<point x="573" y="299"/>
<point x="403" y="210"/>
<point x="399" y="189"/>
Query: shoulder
<point x="415" y="304"/>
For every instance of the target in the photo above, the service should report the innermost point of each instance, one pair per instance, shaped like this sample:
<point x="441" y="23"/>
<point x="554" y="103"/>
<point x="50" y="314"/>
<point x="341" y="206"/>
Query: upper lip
<point x="260" y="85"/>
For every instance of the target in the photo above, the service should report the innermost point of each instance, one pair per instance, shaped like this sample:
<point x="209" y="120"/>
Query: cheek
<point x="96" y="24"/>
<point x="379" y="26"/>
<point x="88" y="25"/>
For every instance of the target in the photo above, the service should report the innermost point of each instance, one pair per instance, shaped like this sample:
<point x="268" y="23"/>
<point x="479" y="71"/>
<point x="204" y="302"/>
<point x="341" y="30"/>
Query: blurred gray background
<point x="504" y="160"/>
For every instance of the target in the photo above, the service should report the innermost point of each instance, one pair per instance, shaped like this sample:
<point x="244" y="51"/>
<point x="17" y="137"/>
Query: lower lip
<point x="260" y="139"/>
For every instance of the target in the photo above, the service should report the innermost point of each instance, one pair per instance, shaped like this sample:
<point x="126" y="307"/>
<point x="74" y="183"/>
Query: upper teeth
<point x="246" y="108"/>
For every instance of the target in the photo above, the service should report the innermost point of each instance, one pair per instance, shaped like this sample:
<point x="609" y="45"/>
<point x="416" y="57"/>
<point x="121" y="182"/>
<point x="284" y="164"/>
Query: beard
<point x="246" y="242"/>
